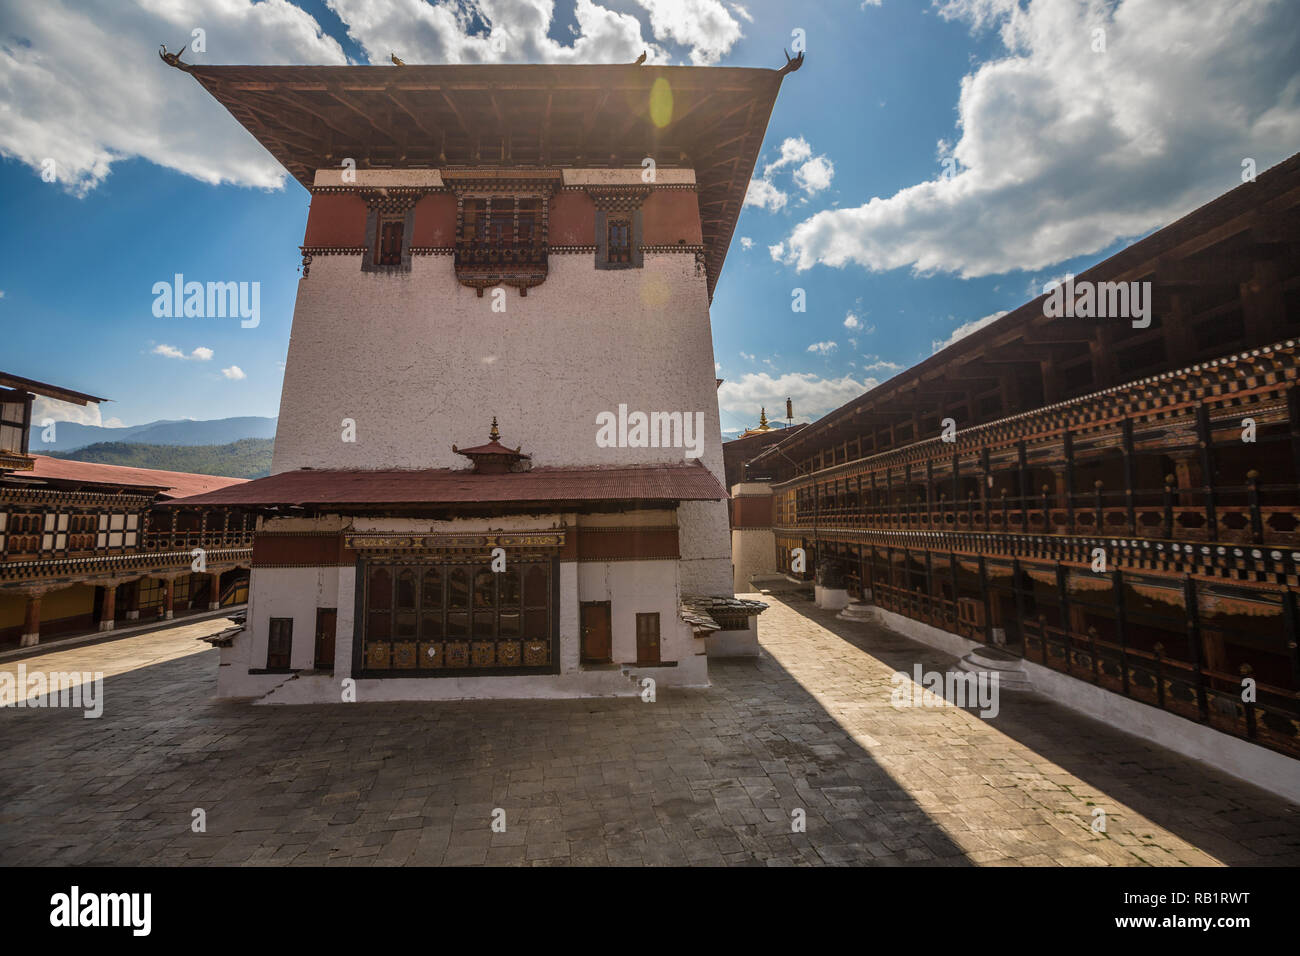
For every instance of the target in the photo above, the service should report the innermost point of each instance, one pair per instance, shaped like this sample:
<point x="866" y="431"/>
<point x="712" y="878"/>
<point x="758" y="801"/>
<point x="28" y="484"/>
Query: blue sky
<point x="1060" y="154"/>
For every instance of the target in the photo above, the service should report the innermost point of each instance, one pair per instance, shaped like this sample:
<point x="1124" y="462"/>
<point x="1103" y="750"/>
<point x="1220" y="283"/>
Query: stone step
<point x="1009" y="678"/>
<point x="855" y="612"/>
<point x="1011" y="675"/>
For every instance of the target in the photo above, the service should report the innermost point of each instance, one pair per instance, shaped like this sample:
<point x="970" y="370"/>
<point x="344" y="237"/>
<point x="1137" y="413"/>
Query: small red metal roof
<point x="493" y="447"/>
<point x="438" y="486"/>
<point x="173" y="484"/>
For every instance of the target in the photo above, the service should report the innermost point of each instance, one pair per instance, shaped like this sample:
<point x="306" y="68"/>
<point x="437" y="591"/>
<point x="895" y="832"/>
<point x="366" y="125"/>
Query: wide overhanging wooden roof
<point x="401" y="117"/>
<point x="49" y="391"/>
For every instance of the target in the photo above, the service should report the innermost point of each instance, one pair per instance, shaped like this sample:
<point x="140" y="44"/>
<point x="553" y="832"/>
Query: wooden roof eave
<point x="725" y="111"/>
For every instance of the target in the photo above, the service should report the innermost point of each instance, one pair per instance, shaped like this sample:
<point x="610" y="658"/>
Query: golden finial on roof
<point x="762" y="418"/>
<point x="495" y="434"/>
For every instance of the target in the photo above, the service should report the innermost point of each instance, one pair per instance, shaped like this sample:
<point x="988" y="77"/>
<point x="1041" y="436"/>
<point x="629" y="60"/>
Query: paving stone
<point x="706" y="777"/>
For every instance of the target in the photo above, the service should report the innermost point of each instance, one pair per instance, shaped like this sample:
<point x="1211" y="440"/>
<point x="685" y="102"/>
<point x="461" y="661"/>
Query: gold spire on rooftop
<point x="495" y="434"/>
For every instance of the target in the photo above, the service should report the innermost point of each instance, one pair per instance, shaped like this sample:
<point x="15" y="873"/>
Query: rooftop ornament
<point x="173" y="59"/>
<point x="495" y="458"/>
<point x="791" y="64"/>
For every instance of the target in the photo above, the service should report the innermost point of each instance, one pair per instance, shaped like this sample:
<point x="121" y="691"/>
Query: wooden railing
<point x="1244" y="514"/>
<point x="1204" y="695"/>
<point x="1201" y="694"/>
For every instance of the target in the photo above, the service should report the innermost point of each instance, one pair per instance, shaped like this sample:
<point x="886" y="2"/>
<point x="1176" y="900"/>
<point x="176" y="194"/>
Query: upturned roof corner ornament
<point x="173" y="59"/>
<point x="397" y="61"/>
<point x="791" y="63"/>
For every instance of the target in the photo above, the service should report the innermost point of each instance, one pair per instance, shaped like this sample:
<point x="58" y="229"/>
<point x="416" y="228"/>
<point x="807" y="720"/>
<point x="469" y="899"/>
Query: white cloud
<point x="764" y="195"/>
<point x="747" y="356"/>
<point x="745" y="243"/>
<point x="823" y="348"/>
<point x="875" y="363"/>
<point x="966" y="329"/>
<point x="810" y="173"/>
<point x="1063" y="151"/>
<point x="777" y="251"/>
<point x="851" y="321"/>
<point x="514" y="31"/>
<point x="742" y="12"/>
<point x="703" y="25"/>
<point x="83" y="85"/>
<point x="812" y="395"/>
<point x="815" y="175"/>
<point x="200" y="354"/>
<point x="48" y="408"/>
<point x="794" y="149"/>
<point x="235" y="373"/>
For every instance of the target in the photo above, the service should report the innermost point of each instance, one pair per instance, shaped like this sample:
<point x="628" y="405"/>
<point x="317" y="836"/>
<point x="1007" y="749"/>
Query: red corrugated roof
<point x="308" y="487"/>
<point x="174" y="484"/>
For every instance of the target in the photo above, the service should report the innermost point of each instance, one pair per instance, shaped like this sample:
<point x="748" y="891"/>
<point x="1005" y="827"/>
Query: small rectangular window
<point x="388" y="247"/>
<point x="280" y="643"/>
<point x="620" y="240"/>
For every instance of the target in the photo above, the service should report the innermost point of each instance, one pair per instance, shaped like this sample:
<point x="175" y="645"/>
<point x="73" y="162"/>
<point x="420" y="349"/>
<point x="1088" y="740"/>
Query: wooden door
<point x="647" y="638"/>
<point x="597" y="646"/>
<point x="326" y="624"/>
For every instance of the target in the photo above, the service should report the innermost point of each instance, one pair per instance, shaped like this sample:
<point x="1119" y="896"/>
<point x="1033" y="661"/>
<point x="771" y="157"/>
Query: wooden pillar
<point x="1020" y="604"/>
<point x="956" y="487"/>
<point x="109" y="609"/>
<point x="214" y="594"/>
<point x="1117" y="579"/>
<point x="1192" y="611"/>
<point x="1293" y="420"/>
<point x="952" y="568"/>
<point x="929" y="493"/>
<point x="1022" y="488"/>
<point x="1205" y="438"/>
<point x="131" y="599"/>
<point x="32" y="621"/>
<point x="1291" y="632"/>
<point x="169" y="590"/>
<point x="871" y="575"/>
<point x="1130" y="469"/>
<point x="1067" y="448"/>
<point x="988" y="605"/>
<point x="986" y="485"/>
<point x="1063" y="600"/>
<point x="929" y="583"/>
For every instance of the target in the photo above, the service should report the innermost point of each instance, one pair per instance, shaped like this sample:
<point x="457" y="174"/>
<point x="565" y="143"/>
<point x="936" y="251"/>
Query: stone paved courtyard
<point x="698" y="777"/>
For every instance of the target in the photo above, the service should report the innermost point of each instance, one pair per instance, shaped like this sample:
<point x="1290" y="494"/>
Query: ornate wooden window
<point x="388" y="248"/>
<point x="279" y="644"/>
<point x="390" y="223"/>
<point x="501" y="240"/>
<point x="618" y="226"/>
<point x="443" y="616"/>
<point x="619" y="236"/>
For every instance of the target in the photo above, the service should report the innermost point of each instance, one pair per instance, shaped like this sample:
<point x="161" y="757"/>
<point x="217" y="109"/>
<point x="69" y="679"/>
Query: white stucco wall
<point x="753" y="551"/>
<point x="420" y="362"/>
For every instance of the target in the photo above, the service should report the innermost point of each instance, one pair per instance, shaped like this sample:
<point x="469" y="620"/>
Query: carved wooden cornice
<point x="618" y="198"/>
